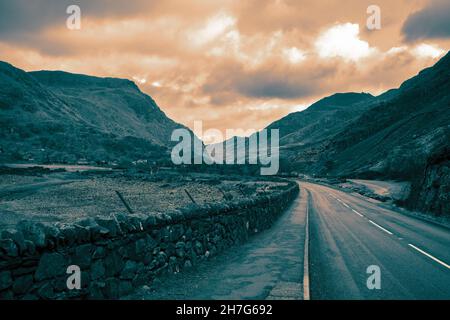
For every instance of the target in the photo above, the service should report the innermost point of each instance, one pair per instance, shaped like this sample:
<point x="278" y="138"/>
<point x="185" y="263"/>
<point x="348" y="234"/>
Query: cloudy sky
<point x="231" y="64"/>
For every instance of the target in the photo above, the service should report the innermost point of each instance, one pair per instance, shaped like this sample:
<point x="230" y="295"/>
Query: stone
<point x="156" y="283"/>
<point x="5" y="280"/>
<point x="30" y="247"/>
<point x="173" y="261"/>
<point x="9" y="247"/>
<point x="60" y="283"/>
<point x="85" y="279"/>
<point x="162" y="258"/>
<point x="113" y="264"/>
<point x="141" y="246"/>
<point x="96" y="232"/>
<point x="187" y="264"/>
<point x="83" y="234"/>
<point x="110" y="224"/>
<point x="150" y="223"/>
<point x="68" y="234"/>
<point x="145" y="245"/>
<point x="129" y="270"/>
<point x="20" y="271"/>
<point x="83" y="255"/>
<point x="169" y="248"/>
<point x="180" y="249"/>
<point x="198" y="247"/>
<point x="22" y="284"/>
<point x="125" y="287"/>
<point x="35" y="232"/>
<point x="51" y="265"/>
<point x="6" y="295"/>
<point x="52" y="232"/>
<point x="98" y="270"/>
<point x="17" y="237"/>
<point x="46" y="291"/>
<point x="176" y="232"/>
<point x="111" y="289"/>
<point x="140" y="279"/>
<point x="188" y="233"/>
<point x="153" y="264"/>
<point x="95" y="291"/>
<point x="100" y="252"/>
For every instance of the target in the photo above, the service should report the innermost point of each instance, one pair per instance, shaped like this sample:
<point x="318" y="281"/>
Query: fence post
<point x="190" y="197"/>
<point x="124" y="202"/>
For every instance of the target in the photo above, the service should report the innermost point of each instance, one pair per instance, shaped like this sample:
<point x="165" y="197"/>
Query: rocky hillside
<point x="54" y="116"/>
<point x="300" y="132"/>
<point x="395" y="138"/>
<point x="304" y="135"/>
<point x="431" y="189"/>
<point x="402" y="134"/>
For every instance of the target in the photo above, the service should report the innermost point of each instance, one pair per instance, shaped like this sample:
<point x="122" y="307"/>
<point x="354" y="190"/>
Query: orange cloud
<point x="230" y="63"/>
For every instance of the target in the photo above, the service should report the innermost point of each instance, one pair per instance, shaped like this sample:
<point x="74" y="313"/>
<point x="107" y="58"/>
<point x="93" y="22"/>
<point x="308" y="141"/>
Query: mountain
<point x="56" y="116"/>
<point x="299" y="131"/>
<point x="396" y="137"/>
<point x="402" y="134"/>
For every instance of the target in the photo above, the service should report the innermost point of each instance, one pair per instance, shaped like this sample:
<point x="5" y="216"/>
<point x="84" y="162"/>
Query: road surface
<point x="348" y="234"/>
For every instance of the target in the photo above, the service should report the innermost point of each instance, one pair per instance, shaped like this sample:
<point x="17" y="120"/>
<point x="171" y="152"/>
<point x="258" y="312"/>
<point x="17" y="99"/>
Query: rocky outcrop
<point x="119" y="253"/>
<point x="431" y="191"/>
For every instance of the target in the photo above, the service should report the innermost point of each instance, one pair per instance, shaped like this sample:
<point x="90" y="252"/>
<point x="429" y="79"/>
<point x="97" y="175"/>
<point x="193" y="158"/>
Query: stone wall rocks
<point x="119" y="253"/>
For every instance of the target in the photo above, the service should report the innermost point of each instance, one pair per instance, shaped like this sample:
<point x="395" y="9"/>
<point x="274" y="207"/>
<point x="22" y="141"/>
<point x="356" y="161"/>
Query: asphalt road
<point x="348" y="234"/>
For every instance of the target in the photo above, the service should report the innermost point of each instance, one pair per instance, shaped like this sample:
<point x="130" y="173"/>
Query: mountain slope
<point x="396" y="137"/>
<point x="299" y="131"/>
<point x="62" y="117"/>
<point x="402" y="134"/>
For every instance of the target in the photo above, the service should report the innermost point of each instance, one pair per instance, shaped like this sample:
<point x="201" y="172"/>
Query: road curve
<point x="348" y="234"/>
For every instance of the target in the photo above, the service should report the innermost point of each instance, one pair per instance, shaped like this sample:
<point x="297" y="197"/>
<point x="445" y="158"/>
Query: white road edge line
<point x="429" y="256"/>
<point x="378" y="226"/>
<point x="306" y="294"/>
<point x="359" y="214"/>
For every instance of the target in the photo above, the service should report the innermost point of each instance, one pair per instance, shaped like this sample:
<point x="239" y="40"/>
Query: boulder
<point x="5" y="280"/>
<point x="22" y="284"/>
<point x="9" y="248"/>
<point x="51" y="265"/>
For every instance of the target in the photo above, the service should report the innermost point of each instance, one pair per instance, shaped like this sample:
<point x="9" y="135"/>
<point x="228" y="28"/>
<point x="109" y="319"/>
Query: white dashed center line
<point x="359" y="214"/>
<point x="390" y="233"/>
<point x="429" y="256"/>
<point x="380" y="227"/>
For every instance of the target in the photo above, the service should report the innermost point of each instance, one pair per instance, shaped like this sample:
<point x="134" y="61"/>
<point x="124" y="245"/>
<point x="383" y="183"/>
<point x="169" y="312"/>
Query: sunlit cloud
<point x="396" y="50"/>
<point x="215" y="27"/>
<point x="294" y="55"/>
<point x="229" y="63"/>
<point x="343" y="41"/>
<point x="428" y="51"/>
<point x="140" y="80"/>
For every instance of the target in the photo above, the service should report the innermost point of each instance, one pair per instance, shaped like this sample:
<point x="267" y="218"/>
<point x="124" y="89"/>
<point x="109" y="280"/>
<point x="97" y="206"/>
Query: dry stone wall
<point x="117" y="254"/>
